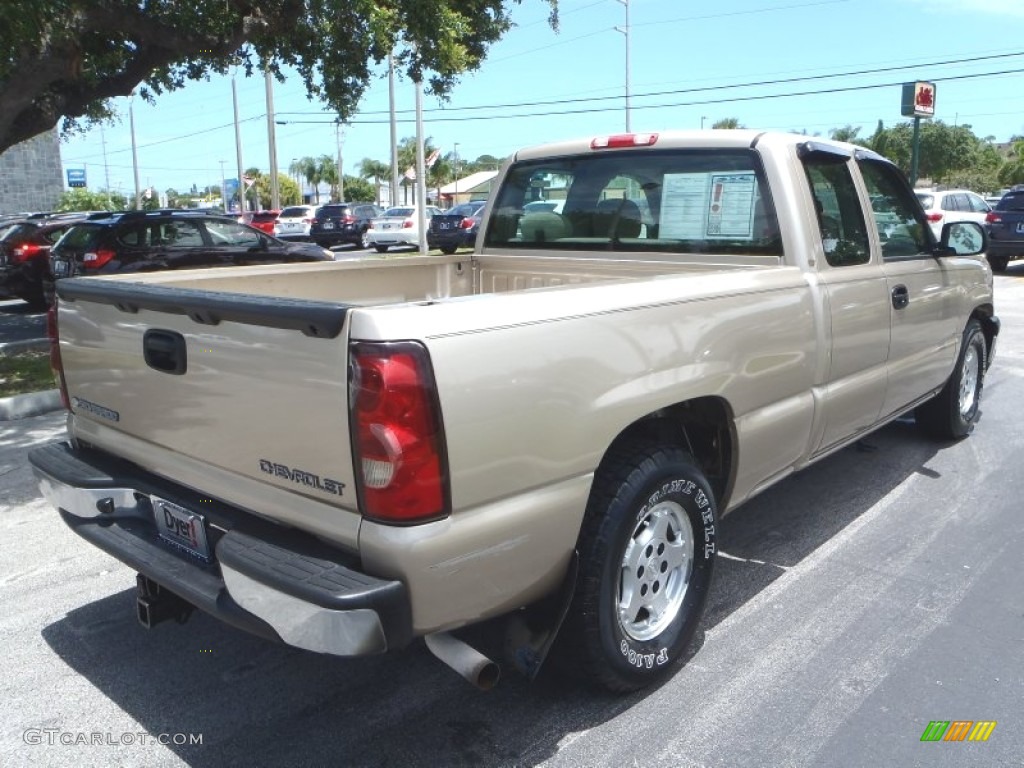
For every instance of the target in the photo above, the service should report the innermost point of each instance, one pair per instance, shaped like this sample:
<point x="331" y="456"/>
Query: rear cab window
<point x="712" y="201"/>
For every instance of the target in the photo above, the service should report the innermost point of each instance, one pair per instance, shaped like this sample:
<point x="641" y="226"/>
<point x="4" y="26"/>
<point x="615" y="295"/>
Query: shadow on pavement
<point x="258" y="703"/>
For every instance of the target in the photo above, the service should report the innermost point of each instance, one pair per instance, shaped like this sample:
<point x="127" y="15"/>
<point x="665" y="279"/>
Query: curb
<point x="32" y="404"/>
<point x="28" y="345"/>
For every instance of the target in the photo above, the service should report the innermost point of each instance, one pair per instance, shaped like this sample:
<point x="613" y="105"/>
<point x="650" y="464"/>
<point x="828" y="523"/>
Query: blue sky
<point x="691" y="63"/>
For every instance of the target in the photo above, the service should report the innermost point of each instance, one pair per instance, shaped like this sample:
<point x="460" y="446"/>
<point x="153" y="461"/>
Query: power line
<point x="727" y="100"/>
<point x="673" y="92"/>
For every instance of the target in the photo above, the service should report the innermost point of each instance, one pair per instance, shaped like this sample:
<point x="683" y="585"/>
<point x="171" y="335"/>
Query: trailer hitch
<point x="154" y="604"/>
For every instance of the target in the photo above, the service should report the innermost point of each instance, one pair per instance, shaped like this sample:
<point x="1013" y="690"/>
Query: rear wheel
<point x="956" y="409"/>
<point x="381" y="248"/>
<point x="364" y="241"/>
<point x="647" y="549"/>
<point x="448" y="249"/>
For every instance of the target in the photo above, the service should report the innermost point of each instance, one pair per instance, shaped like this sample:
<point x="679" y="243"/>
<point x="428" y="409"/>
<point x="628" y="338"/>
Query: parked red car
<point x="262" y="220"/>
<point x="25" y="254"/>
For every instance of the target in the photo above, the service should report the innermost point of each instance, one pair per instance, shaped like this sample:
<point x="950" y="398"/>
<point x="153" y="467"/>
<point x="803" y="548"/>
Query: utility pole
<point x="421" y="172"/>
<point x="455" y="197"/>
<point x="625" y="30"/>
<point x="341" y="178"/>
<point x="275" y="195"/>
<point x="223" y="188"/>
<point x="394" y="129"/>
<point x="238" y="148"/>
<point x="135" y="153"/>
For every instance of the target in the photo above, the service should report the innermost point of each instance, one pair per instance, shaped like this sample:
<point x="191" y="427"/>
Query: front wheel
<point x="647" y="549"/>
<point x="381" y="248"/>
<point x="998" y="263"/>
<point x="953" y="412"/>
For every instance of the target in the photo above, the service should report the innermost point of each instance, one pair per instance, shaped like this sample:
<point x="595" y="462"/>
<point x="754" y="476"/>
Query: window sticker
<point x="708" y="206"/>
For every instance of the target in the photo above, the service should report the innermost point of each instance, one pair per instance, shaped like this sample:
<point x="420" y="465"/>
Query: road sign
<point x="76" y="177"/>
<point x="918" y="100"/>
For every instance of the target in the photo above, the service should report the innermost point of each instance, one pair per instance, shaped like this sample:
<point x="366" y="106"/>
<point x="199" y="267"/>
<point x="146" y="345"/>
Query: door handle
<point x="900" y="297"/>
<point x="165" y="351"/>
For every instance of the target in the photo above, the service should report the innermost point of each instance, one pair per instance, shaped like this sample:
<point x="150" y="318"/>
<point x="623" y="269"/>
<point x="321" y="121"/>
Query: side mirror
<point x="963" y="238"/>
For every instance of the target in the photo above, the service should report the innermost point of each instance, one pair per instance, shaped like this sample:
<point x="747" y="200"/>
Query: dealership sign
<point x="918" y="100"/>
<point x="76" y="177"/>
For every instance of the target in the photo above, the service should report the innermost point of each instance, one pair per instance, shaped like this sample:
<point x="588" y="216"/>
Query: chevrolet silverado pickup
<point x="543" y="435"/>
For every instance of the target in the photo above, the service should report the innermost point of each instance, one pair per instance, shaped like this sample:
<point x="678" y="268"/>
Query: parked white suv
<point x="293" y="222"/>
<point x="948" y="205"/>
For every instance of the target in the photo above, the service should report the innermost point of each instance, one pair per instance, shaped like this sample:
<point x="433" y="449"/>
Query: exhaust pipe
<point x="464" y="659"/>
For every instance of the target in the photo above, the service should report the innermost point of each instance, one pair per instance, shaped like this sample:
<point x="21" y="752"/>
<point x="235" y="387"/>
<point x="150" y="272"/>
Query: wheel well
<point x="989" y="327"/>
<point x="704" y="428"/>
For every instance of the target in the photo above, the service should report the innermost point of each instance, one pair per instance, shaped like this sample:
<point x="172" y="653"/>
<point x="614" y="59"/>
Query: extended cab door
<point x="856" y="311"/>
<point x="923" y="291"/>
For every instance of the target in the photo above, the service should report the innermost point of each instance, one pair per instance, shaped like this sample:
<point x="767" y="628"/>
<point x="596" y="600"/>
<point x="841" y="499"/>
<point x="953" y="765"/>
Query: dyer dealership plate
<point x="181" y="527"/>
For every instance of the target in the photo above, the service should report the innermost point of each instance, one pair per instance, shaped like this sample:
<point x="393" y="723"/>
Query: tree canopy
<point x="64" y="59"/>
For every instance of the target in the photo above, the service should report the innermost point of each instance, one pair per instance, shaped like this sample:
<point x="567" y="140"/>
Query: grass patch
<point x="25" y="372"/>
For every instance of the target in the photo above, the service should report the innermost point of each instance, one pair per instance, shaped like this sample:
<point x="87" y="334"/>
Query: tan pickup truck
<point x="546" y="432"/>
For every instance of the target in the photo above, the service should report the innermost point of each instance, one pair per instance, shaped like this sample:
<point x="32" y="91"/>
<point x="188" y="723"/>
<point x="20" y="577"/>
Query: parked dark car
<point x="25" y="254"/>
<point x="1006" y="229"/>
<point x="145" y="241"/>
<point x="456" y="227"/>
<point x="341" y="223"/>
<point x="264" y="221"/>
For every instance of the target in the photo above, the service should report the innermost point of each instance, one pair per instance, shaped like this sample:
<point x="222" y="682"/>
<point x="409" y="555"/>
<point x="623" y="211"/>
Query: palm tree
<point x="306" y="168"/>
<point x="728" y="122"/>
<point x="327" y="171"/>
<point x="376" y="170"/>
<point x="847" y="133"/>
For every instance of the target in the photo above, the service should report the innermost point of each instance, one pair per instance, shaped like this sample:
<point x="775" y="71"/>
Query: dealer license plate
<point x="181" y="527"/>
<point x="60" y="269"/>
<point x="328" y="225"/>
<point x="1020" y="227"/>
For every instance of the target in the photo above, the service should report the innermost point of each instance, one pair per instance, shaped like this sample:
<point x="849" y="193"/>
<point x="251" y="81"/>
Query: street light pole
<point x="238" y="149"/>
<point x="625" y="30"/>
<point x="455" y="197"/>
<point x="135" y="153"/>
<point x="275" y="194"/>
<point x="341" y="177"/>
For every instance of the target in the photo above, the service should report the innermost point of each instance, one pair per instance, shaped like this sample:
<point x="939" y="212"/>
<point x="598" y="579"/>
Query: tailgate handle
<point x="165" y="351"/>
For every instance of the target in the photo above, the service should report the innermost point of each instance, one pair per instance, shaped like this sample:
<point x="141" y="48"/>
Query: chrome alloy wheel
<point x="655" y="574"/>
<point x="969" y="381"/>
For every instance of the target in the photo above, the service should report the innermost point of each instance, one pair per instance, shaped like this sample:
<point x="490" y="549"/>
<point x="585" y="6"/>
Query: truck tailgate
<point x="241" y="397"/>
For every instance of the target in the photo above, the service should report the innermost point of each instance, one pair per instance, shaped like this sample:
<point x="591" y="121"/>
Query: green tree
<point x="376" y="170"/>
<point x="1012" y="171"/>
<point x="88" y="200"/>
<point x="847" y="133"/>
<point x="359" y="190"/>
<point x="327" y="173"/>
<point x="728" y="122"/>
<point x="67" y="58"/>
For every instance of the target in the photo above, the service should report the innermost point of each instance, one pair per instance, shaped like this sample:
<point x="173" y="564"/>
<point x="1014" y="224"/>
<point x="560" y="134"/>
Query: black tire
<point x="953" y="412"/>
<point x="381" y="248"/>
<point x="647" y="551"/>
<point x="364" y="242"/>
<point x="998" y="263"/>
<point x="448" y="249"/>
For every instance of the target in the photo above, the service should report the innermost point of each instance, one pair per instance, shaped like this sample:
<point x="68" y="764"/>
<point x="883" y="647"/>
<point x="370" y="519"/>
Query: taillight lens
<point x="26" y="251"/>
<point x="993" y="218"/>
<point x="348" y="219"/>
<point x="407" y="224"/>
<point x="467" y="223"/>
<point x="397" y="433"/>
<point x="98" y="258"/>
<point x="55" y="361"/>
<point x="933" y="217"/>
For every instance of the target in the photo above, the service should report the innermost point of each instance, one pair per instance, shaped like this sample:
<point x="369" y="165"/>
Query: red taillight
<point x="98" y="258"/>
<point x="620" y="140"/>
<point x="993" y="218"/>
<point x="467" y="223"/>
<point x="348" y="219"/>
<point x="26" y="251"/>
<point x="407" y="224"/>
<point x="55" y="361"/>
<point x="397" y="435"/>
<point x="933" y="217"/>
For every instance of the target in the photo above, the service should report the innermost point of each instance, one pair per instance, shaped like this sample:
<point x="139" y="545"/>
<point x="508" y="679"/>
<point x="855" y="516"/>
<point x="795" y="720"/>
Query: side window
<point x="840" y="218"/>
<point x="977" y="204"/>
<point x="901" y="227"/>
<point x="231" y="233"/>
<point x="182" y="234"/>
<point x="135" y="234"/>
<point x="951" y="203"/>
